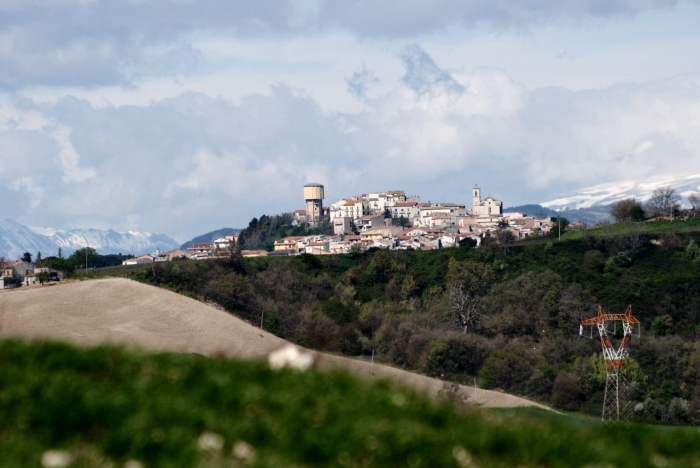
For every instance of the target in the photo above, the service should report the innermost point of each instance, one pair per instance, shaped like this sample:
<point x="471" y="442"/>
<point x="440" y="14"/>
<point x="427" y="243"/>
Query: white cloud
<point x="193" y="160"/>
<point x="70" y="158"/>
<point x="179" y="117"/>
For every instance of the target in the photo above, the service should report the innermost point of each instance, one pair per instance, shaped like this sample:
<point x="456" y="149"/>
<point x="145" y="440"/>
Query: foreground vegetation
<point x="503" y="319"/>
<point x="106" y="406"/>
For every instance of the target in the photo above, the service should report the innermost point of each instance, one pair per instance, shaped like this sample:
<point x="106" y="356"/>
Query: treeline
<point x="82" y="258"/>
<point x="481" y="316"/>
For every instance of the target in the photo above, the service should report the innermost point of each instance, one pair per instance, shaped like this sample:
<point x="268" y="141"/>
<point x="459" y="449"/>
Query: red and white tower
<point x="617" y="403"/>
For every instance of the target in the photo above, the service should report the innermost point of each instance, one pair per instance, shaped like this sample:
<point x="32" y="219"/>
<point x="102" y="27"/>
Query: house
<point x="352" y="208"/>
<point x="254" y="253"/>
<point x="317" y="248"/>
<point x="19" y="270"/>
<point x="221" y="243"/>
<point x="408" y="210"/>
<point x="139" y="260"/>
<point x="294" y="243"/>
<point x="365" y="223"/>
<point x="9" y="282"/>
<point x="177" y="254"/>
<point x="300" y="216"/>
<point x="342" y="225"/>
<point x="200" y="251"/>
<point x="52" y="275"/>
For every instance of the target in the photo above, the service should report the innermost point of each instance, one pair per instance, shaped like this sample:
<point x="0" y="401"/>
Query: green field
<point x="106" y="406"/>
<point x="649" y="227"/>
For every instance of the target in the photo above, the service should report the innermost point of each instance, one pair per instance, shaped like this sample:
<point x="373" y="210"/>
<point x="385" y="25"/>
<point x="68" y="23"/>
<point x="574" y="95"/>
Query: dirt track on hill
<point x="121" y="311"/>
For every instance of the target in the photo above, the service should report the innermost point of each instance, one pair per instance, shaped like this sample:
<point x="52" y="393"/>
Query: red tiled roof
<point x="201" y="246"/>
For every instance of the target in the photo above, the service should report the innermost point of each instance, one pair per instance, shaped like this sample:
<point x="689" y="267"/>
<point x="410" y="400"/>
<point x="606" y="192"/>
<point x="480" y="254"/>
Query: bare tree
<point x="468" y="282"/>
<point x="694" y="200"/>
<point x="465" y="306"/>
<point x="664" y="201"/>
<point x="633" y="234"/>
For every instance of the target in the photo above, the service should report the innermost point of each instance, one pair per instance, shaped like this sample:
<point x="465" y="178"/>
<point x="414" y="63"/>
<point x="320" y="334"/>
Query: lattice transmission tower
<point x="617" y="403"/>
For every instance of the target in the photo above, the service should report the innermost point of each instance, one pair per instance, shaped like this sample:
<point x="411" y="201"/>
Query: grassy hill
<point x="106" y="406"/>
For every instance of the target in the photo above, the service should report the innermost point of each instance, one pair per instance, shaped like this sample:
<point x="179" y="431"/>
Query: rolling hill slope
<point x="121" y="311"/>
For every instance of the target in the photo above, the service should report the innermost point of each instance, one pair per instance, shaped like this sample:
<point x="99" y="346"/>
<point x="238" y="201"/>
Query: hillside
<point x="61" y="405"/>
<point x="501" y="318"/>
<point x="121" y="311"/>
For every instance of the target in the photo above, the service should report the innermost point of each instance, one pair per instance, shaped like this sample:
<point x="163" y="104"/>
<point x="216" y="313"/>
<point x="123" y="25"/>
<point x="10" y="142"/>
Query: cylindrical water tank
<point x="313" y="192"/>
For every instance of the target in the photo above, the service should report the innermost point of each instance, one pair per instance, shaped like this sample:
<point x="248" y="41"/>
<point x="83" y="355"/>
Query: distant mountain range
<point x="15" y="239"/>
<point x="606" y="194"/>
<point x="588" y="215"/>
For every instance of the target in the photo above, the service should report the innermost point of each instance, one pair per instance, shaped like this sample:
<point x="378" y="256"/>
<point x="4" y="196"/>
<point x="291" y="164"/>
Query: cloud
<point x="103" y="42"/>
<point x="360" y="82"/>
<point x="423" y="76"/>
<point x="190" y="163"/>
<point x="411" y="18"/>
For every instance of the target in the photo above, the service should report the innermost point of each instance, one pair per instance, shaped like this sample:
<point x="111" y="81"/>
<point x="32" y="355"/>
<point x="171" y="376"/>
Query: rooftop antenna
<point x="617" y="402"/>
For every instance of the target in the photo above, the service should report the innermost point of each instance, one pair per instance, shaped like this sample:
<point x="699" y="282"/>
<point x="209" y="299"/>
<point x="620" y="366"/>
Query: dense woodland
<point x="498" y="319"/>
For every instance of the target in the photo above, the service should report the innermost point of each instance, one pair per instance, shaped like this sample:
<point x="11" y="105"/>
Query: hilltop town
<point x="386" y="220"/>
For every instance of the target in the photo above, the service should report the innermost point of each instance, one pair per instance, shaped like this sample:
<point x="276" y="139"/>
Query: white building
<point x="408" y="210"/>
<point x="489" y="207"/>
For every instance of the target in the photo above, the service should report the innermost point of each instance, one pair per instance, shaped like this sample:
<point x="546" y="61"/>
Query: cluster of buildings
<point x="25" y="273"/>
<point x="219" y="248"/>
<point x="393" y="220"/>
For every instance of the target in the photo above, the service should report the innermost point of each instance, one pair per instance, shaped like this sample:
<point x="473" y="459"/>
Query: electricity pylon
<point x="617" y="403"/>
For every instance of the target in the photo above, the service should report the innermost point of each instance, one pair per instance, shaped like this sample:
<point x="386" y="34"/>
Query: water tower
<point x="313" y="194"/>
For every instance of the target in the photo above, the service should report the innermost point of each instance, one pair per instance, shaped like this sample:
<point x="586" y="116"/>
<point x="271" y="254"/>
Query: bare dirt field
<point x="121" y="311"/>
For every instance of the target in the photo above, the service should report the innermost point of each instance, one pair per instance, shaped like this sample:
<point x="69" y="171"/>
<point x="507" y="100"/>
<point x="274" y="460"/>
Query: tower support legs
<point x="617" y="402"/>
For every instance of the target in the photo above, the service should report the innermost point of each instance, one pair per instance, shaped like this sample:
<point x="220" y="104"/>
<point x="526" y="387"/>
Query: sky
<point x="185" y="116"/>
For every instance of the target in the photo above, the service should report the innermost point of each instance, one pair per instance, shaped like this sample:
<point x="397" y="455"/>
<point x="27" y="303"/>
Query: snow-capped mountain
<point x="15" y="239"/>
<point x="605" y="194"/>
<point x="109" y="242"/>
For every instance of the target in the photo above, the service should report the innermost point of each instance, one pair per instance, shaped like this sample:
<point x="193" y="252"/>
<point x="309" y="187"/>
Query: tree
<point x="38" y="259"/>
<point x="694" y="200"/>
<point x="43" y="277"/>
<point x="83" y="258"/>
<point x="637" y="214"/>
<point x="467" y="242"/>
<point x="664" y="201"/>
<point x="506" y="239"/>
<point x="27" y="257"/>
<point x="403" y="221"/>
<point x="559" y="225"/>
<point x="387" y="213"/>
<point x="468" y="283"/>
<point x="622" y="210"/>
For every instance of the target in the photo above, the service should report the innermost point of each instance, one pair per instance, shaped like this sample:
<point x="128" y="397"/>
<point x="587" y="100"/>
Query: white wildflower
<point x="243" y="451"/>
<point x="133" y="464"/>
<point x="291" y="356"/>
<point x="210" y="442"/>
<point x="56" y="459"/>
